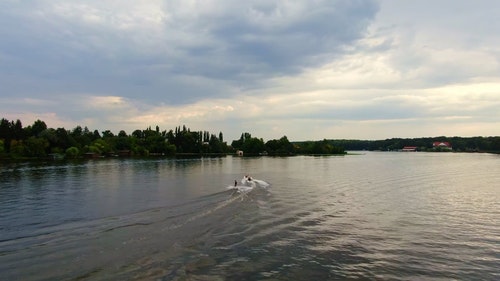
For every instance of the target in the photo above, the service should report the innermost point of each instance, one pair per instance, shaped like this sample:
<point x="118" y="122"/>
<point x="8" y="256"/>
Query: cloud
<point x="128" y="47"/>
<point x="305" y="69"/>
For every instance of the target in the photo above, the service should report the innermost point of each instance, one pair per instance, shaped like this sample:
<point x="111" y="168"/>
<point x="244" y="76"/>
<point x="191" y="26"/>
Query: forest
<point x="39" y="141"/>
<point x="459" y="144"/>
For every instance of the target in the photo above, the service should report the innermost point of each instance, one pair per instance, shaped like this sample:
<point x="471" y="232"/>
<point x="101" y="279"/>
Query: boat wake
<point x="247" y="184"/>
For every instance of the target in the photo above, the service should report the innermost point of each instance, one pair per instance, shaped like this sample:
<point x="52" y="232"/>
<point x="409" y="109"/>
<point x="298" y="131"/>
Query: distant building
<point x="409" y="149"/>
<point x="124" y="152"/>
<point x="91" y="155"/>
<point x="441" y="145"/>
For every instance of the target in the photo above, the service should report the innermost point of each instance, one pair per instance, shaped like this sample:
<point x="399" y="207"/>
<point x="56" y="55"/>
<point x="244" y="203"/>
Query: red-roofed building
<point x="442" y="145"/>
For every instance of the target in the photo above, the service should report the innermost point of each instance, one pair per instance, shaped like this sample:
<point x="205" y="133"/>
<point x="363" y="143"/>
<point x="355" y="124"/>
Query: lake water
<point x="376" y="216"/>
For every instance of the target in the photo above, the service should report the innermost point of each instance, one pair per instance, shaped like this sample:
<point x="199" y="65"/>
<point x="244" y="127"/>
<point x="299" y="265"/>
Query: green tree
<point x="72" y="152"/>
<point x="123" y="143"/>
<point x="253" y="146"/>
<point x="122" y="134"/>
<point x="107" y="134"/>
<point x="17" y="149"/>
<point x="280" y="147"/>
<point x="138" y="134"/>
<point x="100" y="146"/>
<point x="17" y="130"/>
<point x="215" y="145"/>
<point x="96" y="135"/>
<point x="238" y="144"/>
<point x="36" y="147"/>
<point x="6" y="133"/>
<point x="77" y="132"/>
<point x="38" y="127"/>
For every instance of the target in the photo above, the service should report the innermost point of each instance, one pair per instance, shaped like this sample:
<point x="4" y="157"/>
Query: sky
<point x="308" y="70"/>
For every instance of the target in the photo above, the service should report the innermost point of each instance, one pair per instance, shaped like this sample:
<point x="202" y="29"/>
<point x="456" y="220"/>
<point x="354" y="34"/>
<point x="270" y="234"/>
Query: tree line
<point x="39" y="141"/>
<point x="459" y="144"/>
<point x="283" y="147"/>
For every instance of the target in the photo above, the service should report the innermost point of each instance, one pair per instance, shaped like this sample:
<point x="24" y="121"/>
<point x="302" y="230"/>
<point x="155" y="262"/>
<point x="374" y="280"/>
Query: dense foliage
<point x="319" y="147"/>
<point x="255" y="146"/>
<point x="459" y="144"/>
<point x="39" y="141"/>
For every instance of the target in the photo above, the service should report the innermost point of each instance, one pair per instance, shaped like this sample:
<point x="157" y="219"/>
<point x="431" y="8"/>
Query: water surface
<point x="379" y="216"/>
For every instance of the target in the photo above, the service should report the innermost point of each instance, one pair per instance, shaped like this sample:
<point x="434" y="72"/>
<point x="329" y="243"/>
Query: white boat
<point x="247" y="184"/>
<point x="251" y="182"/>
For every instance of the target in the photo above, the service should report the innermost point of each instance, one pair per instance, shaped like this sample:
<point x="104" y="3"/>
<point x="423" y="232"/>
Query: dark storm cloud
<point x="212" y="50"/>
